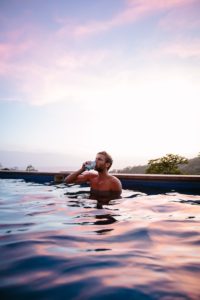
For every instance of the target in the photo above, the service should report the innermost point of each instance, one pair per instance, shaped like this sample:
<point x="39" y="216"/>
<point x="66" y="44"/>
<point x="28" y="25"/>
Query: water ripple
<point x="140" y="247"/>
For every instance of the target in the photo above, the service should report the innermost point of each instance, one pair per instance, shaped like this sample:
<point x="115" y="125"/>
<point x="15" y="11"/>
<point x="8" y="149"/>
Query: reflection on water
<point x="56" y="244"/>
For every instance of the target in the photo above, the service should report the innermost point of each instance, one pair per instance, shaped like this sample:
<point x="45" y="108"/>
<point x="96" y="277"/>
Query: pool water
<point x="56" y="244"/>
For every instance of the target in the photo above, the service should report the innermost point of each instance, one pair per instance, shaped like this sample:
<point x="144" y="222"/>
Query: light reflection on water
<point x="56" y="244"/>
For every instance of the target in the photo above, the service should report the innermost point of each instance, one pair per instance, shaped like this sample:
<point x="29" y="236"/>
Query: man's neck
<point x="103" y="174"/>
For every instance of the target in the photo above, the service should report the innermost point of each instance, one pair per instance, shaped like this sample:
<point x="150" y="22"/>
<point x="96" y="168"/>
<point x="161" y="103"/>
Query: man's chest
<point x="100" y="184"/>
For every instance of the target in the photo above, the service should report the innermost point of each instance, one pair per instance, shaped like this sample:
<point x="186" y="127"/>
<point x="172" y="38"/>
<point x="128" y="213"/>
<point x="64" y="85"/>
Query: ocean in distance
<point x="56" y="244"/>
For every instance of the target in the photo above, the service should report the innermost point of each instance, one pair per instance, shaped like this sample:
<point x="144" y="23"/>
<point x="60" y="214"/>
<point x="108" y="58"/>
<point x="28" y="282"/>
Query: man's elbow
<point x="67" y="179"/>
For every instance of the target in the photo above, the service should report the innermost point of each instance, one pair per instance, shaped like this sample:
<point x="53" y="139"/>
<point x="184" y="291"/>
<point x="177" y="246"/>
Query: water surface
<point x="56" y="244"/>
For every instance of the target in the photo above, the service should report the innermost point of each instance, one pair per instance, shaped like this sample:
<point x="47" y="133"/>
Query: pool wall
<point x="35" y="176"/>
<point x="182" y="183"/>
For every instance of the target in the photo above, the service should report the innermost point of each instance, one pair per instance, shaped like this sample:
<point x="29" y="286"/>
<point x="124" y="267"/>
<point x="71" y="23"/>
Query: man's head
<point x="103" y="161"/>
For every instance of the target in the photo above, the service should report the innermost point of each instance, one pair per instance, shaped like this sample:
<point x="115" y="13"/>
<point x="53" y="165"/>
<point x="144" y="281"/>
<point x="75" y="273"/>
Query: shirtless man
<point x="104" y="187"/>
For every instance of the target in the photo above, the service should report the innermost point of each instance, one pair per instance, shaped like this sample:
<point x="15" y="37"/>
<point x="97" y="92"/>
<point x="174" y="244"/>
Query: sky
<point x="78" y="77"/>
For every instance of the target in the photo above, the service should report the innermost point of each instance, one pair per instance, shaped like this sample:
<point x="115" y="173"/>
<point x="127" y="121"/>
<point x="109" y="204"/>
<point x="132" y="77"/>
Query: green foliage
<point x="30" y="168"/>
<point x="168" y="164"/>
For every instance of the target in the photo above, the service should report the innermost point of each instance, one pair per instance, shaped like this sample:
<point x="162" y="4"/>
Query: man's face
<point x="101" y="163"/>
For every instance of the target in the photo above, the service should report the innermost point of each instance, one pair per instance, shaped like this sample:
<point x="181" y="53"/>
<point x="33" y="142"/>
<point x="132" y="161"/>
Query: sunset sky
<point x="78" y="77"/>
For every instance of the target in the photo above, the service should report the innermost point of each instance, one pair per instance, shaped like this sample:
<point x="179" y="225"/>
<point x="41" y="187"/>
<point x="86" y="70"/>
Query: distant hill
<point x="131" y="170"/>
<point x="192" y="168"/>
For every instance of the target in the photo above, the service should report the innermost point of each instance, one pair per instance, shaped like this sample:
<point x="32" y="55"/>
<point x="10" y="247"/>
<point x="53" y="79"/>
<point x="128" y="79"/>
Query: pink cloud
<point x="9" y="50"/>
<point x="77" y="60"/>
<point x="187" y="18"/>
<point x="171" y="23"/>
<point x="43" y="65"/>
<point x="133" y="11"/>
<point x="183" y="49"/>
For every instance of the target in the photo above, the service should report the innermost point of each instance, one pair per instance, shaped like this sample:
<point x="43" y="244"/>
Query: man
<point x="104" y="187"/>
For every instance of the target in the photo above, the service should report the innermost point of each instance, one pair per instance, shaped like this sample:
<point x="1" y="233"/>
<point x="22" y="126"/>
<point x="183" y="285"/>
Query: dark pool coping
<point x="155" y="182"/>
<point x="187" y="183"/>
<point x="160" y="177"/>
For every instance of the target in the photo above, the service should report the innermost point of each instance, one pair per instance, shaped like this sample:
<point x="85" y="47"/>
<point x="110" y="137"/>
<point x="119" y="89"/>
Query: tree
<point x="168" y="164"/>
<point x="30" y="168"/>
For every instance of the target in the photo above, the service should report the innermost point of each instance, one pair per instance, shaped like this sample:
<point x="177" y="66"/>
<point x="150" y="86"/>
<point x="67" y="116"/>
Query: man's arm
<point x="77" y="176"/>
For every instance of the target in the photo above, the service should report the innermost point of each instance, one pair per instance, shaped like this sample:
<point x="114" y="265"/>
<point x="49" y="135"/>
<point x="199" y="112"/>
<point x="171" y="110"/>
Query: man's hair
<point x="107" y="157"/>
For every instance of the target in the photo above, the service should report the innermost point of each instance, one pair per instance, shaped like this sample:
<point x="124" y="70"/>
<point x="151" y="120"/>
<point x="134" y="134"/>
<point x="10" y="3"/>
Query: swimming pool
<point x="55" y="244"/>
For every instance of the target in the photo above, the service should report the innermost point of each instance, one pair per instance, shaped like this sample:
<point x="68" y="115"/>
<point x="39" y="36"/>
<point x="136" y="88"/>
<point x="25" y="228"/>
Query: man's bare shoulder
<point x="114" y="178"/>
<point x="116" y="183"/>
